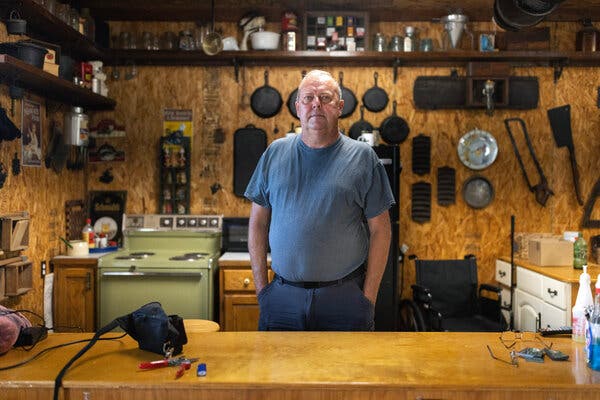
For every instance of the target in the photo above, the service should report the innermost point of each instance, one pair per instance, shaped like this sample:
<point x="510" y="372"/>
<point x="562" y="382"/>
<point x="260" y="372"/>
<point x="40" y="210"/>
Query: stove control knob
<point x="214" y="222"/>
<point x="192" y="222"/>
<point x="180" y="222"/>
<point x="203" y="222"/>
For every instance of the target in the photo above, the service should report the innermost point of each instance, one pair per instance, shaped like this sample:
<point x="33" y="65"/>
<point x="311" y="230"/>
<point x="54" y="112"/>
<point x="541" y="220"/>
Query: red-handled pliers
<point x="182" y="362"/>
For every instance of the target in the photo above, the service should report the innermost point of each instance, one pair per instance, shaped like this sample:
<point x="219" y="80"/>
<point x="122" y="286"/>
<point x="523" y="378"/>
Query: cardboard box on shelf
<point x="550" y="252"/>
<point x="51" y="68"/>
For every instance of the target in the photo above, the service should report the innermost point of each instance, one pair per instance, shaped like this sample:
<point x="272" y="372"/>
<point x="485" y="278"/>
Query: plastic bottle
<point x="579" y="252"/>
<point x="87" y="233"/>
<point x="583" y="304"/>
<point x="593" y="333"/>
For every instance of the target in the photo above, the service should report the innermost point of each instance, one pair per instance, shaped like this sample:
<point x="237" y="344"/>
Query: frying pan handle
<point x="575" y="175"/>
<point x="266" y="77"/>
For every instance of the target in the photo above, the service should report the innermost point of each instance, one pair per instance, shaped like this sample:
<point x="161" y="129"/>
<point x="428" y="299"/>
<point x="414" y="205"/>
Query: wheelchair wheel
<point x="409" y="317"/>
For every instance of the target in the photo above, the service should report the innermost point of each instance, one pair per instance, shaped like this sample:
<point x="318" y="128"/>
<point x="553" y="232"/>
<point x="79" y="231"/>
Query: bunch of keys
<point x="182" y="362"/>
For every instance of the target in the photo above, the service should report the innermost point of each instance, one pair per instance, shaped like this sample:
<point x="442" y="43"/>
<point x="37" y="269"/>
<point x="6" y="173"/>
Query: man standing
<point x="321" y="200"/>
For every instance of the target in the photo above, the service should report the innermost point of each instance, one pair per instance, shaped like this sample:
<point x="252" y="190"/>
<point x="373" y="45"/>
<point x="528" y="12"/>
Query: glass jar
<point x="588" y="38"/>
<point x="410" y="40"/>
<point x="169" y="41"/>
<point x="74" y="18"/>
<point x="396" y="43"/>
<point x="186" y="40"/>
<point x="379" y="42"/>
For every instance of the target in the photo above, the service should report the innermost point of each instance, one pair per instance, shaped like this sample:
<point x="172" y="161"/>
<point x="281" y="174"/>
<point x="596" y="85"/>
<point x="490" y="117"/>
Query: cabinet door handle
<point x="88" y="281"/>
<point x="246" y="281"/>
<point x="502" y="274"/>
<point x="552" y="293"/>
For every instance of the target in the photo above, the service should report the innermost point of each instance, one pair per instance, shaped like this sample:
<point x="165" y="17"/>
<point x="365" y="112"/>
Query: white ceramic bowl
<point x="265" y="40"/>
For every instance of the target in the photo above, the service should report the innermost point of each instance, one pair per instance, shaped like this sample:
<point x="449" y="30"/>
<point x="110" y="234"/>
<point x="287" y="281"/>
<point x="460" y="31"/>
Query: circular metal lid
<point x="478" y="192"/>
<point x="477" y="149"/>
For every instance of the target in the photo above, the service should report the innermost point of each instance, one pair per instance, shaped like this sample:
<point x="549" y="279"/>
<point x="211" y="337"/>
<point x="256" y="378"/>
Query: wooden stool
<point x="200" y="325"/>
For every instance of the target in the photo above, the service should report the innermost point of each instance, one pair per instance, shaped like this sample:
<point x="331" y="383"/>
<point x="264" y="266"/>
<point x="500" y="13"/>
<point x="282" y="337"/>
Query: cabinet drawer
<point x="238" y="280"/>
<point x="503" y="273"/>
<point x="529" y="281"/>
<point x="556" y="292"/>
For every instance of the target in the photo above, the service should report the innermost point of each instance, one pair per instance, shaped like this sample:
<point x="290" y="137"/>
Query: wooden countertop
<point x="295" y="365"/>
<point x="563" y="273"/>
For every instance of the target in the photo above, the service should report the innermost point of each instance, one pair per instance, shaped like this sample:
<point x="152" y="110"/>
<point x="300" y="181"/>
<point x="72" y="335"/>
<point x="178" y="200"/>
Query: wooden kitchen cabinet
<point x="238" y="303"/>
<point x="74" y="294"/>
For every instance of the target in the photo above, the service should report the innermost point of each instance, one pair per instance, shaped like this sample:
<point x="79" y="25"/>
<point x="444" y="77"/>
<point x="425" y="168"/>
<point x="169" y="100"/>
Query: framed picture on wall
<point x="31" y="139"/>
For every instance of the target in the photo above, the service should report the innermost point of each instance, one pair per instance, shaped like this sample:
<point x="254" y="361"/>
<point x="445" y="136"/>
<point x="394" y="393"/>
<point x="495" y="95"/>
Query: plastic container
<point x="76" y="127"/>
<point x="265" y="40"/>
<point x="579" y="252"/>
<point x="583" y="304"/>
<point x="592" y="339"/>
<point x="588" y="38"/>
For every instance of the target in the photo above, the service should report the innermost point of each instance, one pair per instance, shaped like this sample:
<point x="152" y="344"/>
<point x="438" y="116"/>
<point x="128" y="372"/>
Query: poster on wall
<point x="177" y="123"/>
<point x="31" y="127"/>
<point x="106" y="212"/>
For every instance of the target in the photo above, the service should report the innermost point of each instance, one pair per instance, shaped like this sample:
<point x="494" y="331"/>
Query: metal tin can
<point x="95" y="85"/>
<point x="290" y="41"/>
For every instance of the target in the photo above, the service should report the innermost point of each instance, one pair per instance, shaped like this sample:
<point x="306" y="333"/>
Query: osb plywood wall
<point x="219" y="102"/>
<point x="38" y="190"/>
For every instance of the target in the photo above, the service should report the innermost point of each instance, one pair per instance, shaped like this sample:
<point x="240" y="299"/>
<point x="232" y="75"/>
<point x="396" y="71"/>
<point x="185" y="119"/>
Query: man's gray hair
<point x="320" y="75"/>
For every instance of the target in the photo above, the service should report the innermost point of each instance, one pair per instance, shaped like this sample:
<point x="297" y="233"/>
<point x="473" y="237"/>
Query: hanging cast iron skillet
<point x="394" y="129"/>
<point x="538" y="7"/>
<point x="375" y="99"/>
<point x="266" y="101"/>
<point x="510" y="17"/>
<point x="291" y="102"/>
<point x="348" y="97"/>
<point x="359" y="126"/>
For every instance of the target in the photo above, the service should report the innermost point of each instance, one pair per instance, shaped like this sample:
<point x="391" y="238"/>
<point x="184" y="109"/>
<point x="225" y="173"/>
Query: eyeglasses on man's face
<point x="324" y="98"/>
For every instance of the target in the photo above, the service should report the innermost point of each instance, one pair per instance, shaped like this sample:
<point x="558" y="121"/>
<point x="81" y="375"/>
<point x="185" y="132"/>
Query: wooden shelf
<point x="16" y="72"/>
<point x="43" y="25"/>
<point x="362" y="58"/>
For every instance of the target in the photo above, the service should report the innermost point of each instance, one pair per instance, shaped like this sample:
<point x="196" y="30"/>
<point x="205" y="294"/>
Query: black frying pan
<point x="291" y="103"/>
<point x="375" y="99"/>
<point x="394" y="129"/>
<point x="266" y="101"/>
<point x="348" y="97"/>
<point x="359" y="126"/>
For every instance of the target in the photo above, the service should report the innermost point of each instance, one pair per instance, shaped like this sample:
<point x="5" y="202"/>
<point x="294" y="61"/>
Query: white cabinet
<point x="540" y="298"/>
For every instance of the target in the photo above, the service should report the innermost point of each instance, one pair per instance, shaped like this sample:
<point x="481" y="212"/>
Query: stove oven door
<point x="187" y="293"/>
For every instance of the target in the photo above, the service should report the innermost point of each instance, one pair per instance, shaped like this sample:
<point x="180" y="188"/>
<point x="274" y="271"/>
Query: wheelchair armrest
<point x="490" y="288"/>
<point x="421" y="295"/>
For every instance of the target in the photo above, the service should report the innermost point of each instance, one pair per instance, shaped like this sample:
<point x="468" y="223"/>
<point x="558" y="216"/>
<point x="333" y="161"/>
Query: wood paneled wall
<point x="38" y="190"/>
<point x="219" y="102"/>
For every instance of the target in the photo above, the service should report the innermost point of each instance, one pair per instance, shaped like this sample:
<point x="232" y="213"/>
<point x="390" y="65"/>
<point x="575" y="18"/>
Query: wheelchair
<point x="446" y="297"/>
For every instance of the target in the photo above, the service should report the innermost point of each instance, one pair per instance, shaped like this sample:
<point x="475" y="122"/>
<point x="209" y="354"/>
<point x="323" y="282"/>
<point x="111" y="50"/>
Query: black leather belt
<point x="313" y="285"/>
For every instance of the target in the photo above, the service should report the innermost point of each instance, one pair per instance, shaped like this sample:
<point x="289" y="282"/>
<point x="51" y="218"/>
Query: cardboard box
<point x="51" y="68"/>
<point x="550" y="252"/>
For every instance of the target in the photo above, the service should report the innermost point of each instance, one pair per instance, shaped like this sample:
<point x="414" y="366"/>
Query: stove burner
<point x="141" y="254"/>
<point x="130" y="257"/>
<point x="189" y="257"/>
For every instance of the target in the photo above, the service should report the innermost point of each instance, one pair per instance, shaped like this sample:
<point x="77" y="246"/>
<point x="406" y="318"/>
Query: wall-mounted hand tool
<point x="542" y="190"/>
<point x="560" y="122"/>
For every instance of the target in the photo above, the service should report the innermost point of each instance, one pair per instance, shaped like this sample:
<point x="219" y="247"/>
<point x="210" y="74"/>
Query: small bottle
<point x="588" y="38"/>
<point x="583" y="305"/>
<point x="87" y="233"/>
<point x="579" y="252"/>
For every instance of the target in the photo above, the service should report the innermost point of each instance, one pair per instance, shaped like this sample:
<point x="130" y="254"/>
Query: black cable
<point x="58" y="346"/>
<point x="58" y="381"/>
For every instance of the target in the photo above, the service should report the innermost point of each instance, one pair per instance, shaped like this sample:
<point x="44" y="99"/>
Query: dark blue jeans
<point x="340" y="307"/>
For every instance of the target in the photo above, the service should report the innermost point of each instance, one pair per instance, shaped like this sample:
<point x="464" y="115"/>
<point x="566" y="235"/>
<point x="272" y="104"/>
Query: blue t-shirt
<point x="319" y="201"/>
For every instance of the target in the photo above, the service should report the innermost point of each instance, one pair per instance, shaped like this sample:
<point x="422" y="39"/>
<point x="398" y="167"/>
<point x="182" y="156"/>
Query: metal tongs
<point x="542" y="190"/>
